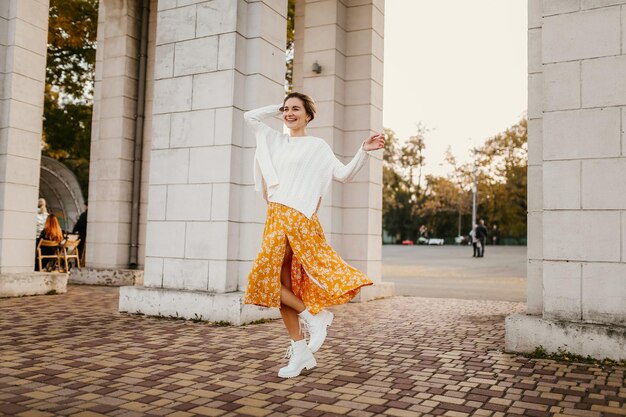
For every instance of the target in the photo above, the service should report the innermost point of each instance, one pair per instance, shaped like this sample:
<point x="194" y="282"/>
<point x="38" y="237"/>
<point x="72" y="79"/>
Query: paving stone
<point x="74" y="354"/>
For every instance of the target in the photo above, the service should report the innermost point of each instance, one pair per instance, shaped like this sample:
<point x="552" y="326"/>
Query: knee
<point x="285" y="277"/>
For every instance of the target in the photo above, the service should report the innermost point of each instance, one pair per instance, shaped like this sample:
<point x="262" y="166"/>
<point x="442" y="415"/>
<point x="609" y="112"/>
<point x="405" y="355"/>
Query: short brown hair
<point x="309" y="104"/>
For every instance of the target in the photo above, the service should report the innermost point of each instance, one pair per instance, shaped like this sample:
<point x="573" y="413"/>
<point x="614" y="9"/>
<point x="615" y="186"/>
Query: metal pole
<point x="139" y="127"/>
<point x="474" y="197"/>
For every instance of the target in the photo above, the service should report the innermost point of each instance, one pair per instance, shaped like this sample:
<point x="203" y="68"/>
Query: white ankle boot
<point x="315" y="326"/>
<point x="300" y="357"/>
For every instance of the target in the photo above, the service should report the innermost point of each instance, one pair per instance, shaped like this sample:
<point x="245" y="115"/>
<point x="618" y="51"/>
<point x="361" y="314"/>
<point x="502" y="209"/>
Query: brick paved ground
<point x="73" y="354"/>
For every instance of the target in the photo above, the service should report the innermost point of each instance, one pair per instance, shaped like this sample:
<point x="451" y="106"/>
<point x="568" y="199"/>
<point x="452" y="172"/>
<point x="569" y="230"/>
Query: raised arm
<point x="254" y="117"/>
<point x="345" y="173"/>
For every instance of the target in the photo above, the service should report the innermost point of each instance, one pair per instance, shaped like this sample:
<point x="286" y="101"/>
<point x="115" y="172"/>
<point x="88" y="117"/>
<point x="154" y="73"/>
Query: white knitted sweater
<point x="295" y="171"/>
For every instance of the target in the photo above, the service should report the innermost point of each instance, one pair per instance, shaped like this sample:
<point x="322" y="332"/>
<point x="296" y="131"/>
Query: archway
<point x="59" y="186"/>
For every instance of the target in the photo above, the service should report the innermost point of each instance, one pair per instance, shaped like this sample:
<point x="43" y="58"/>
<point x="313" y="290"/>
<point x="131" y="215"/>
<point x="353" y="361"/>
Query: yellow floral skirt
<point x="319" y="277"/>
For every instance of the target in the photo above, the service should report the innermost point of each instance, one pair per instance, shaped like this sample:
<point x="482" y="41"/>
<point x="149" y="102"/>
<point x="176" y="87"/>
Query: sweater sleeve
<point x="254" y="118"/>
<point x="266" y="179"/>
<point x="345" y="173"/>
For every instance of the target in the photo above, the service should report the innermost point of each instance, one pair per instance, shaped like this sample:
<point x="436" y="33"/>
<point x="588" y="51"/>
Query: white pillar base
<point x="32" y="283"/>
<point x="224" y="307"/>
<point x="105" y="276"/>
<point x="376" y="291"/>
<point x="525" y="333"/>
<point x="169" y="302"/>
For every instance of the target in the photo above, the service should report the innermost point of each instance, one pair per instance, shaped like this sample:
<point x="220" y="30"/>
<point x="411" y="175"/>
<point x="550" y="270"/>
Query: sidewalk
<point x="74" y="354"/>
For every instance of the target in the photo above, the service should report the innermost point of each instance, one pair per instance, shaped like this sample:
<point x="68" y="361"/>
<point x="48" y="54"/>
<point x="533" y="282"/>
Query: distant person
<point x="423" y="234"/>
<point x="81" y="228"/>
<point x="475" y="242"/>
<point x="495" y="235"/>
<point x="51" y="231"/>
<point x="42" y="215"/>
<point x="481" y="234"/>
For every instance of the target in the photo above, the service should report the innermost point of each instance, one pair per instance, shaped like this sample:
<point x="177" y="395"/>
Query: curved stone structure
<point x="59" y="186"/>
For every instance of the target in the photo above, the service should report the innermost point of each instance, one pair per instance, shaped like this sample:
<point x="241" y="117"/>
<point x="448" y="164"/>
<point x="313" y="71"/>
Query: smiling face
<point x="294" y="114"/>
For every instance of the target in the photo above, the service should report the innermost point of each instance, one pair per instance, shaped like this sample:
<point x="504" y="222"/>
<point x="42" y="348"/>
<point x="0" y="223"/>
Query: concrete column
<point x="534" y="266"/>
<point x="346" y="39"/>
<point x="584" y="192"/>
<point x="23" y="36"/>
<point x="214" y="60"/>
<point x="363" y="98"/>
<point x="113" y="134"/>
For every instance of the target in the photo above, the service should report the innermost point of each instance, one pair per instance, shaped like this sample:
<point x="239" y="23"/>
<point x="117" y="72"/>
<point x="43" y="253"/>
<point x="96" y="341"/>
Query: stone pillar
<point x="113" y="135"/>
<point x="583" y="190"/>
<point x="23" y="36"/>
<point x="346" y="40"/>
<point x="214" y="60"/>
<point x="534" y="265"/>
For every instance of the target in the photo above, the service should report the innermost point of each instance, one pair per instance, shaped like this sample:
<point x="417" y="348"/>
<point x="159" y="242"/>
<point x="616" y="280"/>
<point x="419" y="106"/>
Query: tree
<point x="412" y="155"/>
<point x="290" y="48"/>
<point x="71" y="55"/>
<point x="401" y="197"/>
<point x="501" y="165"/>
<point x="504" y="162"/>
<point x="396" y="194"/>
<point x="444" y="205"/>
<point x="69" y="84"/>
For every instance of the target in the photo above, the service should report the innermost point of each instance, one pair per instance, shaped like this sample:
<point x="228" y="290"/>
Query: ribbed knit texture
<point x="295" y="171"/>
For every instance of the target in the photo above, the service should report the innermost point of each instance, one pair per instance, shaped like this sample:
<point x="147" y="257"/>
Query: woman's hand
<point x="374" y="142"/>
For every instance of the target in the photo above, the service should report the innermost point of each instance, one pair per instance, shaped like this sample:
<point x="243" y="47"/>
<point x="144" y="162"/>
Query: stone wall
<point x="584" y="161"/>
<point x="576" y="177"/>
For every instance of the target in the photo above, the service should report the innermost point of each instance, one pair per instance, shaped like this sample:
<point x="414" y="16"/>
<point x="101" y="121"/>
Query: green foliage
<point x="445" y="201"/>
<point x="67" y="131"/>
<point x="401" y="193"/>
<point x="290" y="48"/>
<point x="561" y="355"/>
<point x="503" y="162"/>
<point x="69" y="84"/>
<point x="260" y="321"/>
<point x="444" y="204"/>
<point x="71" y="55"/>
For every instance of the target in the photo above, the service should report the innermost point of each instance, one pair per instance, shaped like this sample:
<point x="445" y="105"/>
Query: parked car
<point x="407" y="242"/>
<point x="462" y="240"/>
<point x="435" y="241"/>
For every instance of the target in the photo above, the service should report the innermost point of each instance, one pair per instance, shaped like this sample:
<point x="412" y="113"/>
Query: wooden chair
<point x="43" y="243"/>
<point x="68" y="251"/>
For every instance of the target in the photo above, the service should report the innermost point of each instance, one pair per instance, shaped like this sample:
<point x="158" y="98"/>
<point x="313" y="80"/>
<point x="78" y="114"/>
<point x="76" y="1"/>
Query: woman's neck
<point x="294" y="133"/>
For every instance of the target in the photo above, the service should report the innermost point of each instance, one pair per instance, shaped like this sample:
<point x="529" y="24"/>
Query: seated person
<point x="51" y="231"/>
<point x="81" y="228"/>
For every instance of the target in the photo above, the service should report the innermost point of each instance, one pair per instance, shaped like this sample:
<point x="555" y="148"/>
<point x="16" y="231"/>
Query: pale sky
<point x="458" y="66"/>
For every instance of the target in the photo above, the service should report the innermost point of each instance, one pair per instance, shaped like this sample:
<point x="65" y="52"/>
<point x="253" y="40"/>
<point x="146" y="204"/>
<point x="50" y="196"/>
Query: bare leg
<point x="290" y="305"/>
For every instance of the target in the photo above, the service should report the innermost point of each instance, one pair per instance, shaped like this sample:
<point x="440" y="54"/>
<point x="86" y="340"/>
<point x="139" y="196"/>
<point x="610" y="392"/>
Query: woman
<point x="296" y="269"/>
<point x="51" y="231"/>
<point x="42" y="215"/>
